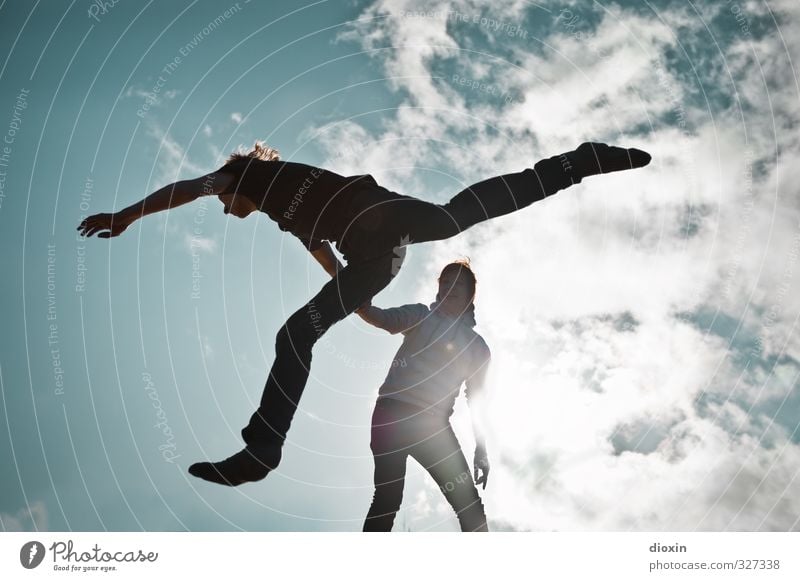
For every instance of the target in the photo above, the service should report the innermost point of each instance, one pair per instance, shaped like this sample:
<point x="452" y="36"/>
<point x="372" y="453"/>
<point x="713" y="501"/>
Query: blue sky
<point x="642" y="326"/>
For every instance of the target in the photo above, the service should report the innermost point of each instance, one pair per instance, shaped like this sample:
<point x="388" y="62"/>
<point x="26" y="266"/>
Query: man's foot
<point x="249" y="465"/>
<point x="594" y="158"/>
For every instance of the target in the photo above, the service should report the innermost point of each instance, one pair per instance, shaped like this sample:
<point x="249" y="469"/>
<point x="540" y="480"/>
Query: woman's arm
<point x="372" y="315"/>
<point x="394" y="320"/>
<point x="476" y="396"/>
<point x="330" y="262"/>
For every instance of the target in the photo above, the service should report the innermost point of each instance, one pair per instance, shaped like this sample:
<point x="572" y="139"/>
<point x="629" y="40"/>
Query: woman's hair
<point x="462" y="268"/>
<point x="260" y="151"/>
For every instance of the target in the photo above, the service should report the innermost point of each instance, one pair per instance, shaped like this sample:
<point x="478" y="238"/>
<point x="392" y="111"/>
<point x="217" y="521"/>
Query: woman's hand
<point x="113" y="223"/>
<point x="362" y="310"/>
<point x="481" y="465"/>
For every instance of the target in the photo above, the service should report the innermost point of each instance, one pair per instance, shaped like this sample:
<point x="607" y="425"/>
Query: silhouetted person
<point x="440" y="352"/>
<point x="370" y="226"/>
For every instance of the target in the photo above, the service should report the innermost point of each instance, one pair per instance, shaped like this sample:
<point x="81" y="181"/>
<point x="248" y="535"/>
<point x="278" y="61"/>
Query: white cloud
<point x="611" y="411"/>
<point x="208" y="350"/>
<point x="172" y="159"/>
<point x="32" y="518"/>
<point x="153" y="95"/>
<point x="422" y="505"/>
<point x="236" y="117"/>
<point x="173" y="163"/>
<point x="195" y="243"/>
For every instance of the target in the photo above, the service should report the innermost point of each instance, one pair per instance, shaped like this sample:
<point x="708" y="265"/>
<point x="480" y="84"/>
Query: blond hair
<point x="260" y="151"/>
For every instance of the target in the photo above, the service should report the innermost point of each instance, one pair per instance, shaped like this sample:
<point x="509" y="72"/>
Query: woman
<point x="440" y="351"/>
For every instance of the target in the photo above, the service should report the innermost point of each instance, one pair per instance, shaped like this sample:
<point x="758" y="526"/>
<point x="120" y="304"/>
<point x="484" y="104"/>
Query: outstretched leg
<point x="504" y="194"/>
<point x="421" y="221"/>
<point x="356" y="284"/>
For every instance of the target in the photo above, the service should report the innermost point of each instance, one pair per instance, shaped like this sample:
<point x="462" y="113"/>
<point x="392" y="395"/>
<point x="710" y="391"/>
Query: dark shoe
<point x="249" y="465"/>
<point x="595" y="158"/>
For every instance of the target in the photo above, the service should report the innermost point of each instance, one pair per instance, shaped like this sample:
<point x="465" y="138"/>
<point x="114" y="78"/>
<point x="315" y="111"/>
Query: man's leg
<point x="504" y="194"/>
<point x="423" y="221"/>
<point x="440" y="454"/>
<point x="264" y="435"/>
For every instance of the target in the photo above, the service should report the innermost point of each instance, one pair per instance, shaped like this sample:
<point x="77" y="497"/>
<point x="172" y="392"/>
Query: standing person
<point x="440" y="352"/>
<point x="370" y="226"/>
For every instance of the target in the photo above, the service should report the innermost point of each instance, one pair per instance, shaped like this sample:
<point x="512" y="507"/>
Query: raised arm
<point x="476" y="396"/>
<point x="373" y="315"/>
<point x="395" y="320"/>
<point x="170" y="196"/>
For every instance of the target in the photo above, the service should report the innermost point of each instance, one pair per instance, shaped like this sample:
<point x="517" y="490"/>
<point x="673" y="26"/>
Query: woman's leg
<point x="440" y="454"/>
<point x="390" y="474"/>
<point x="390" y="454"/>
<point x="264" y="435"/>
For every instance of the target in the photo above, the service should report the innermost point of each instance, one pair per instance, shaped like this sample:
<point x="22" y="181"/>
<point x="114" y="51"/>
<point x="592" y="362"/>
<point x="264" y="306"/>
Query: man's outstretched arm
<point x="170" y="196"/>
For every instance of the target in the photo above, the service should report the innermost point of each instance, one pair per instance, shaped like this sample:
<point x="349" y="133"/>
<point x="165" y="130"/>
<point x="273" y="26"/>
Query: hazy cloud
<point x="621" y="400"/>
<point x="33" y="518"/>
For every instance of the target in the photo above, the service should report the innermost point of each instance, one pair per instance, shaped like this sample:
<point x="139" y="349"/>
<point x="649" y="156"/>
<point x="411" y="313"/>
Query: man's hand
<point x="481" y="465"/>
<point x="113" y="223"/>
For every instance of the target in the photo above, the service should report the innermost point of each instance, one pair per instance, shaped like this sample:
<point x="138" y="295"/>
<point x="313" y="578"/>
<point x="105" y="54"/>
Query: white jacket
<point x="438" y="354"/>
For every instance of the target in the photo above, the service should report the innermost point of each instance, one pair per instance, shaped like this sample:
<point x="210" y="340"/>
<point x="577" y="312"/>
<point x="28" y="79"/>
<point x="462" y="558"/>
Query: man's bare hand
<point x="108" y="225"/>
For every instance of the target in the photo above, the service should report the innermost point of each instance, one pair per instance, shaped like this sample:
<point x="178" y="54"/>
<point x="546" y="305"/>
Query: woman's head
<point x="259" y="151"/>
<point x="457" y="285"/>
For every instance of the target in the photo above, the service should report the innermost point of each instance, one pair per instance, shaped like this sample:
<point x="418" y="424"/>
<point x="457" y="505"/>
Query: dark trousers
<point x="383" y="223"/>
<point x="399" y="431"/>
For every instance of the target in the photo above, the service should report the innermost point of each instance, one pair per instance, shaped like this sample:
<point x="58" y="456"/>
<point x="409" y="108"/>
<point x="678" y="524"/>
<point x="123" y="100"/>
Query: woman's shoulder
<point x="480" y="348"/>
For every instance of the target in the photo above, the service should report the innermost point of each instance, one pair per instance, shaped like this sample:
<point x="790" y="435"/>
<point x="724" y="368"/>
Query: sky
<point x="642" y="324"/>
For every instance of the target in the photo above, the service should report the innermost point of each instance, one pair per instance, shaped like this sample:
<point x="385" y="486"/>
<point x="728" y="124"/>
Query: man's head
<point x="260" y="150"/>
<point x="239" y="205"/>
<point x="457" y="285"/>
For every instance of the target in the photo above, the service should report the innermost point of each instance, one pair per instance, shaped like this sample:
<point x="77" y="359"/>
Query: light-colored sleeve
<point x="397" y="319"/>
<point x="476" y="393"/>
<point x="476" y="382"/>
